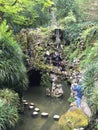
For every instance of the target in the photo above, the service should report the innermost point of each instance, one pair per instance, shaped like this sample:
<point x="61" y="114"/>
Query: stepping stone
<point x="31" y="107"/>
<point x="31" y="104"/>
<point x="44" y="114"/>
<point x="56" y="117"/>
<point x="36" y="109"/>
<point x="35" y="113"/>
<point x="24" y="101"/>
<point x="78" y="128"/>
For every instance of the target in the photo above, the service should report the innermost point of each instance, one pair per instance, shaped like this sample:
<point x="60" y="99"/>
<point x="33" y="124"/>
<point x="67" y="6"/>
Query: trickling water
<point x="58" y="40"/>
<point x="53" y="18"/>
<point x="45" y="104"/>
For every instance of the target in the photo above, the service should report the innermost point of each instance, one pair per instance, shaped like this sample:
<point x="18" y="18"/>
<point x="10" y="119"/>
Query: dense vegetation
<point x="78" y="20"/>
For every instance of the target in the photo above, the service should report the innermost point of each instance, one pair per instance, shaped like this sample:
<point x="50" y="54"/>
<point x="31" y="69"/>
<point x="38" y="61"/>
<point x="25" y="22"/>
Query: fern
<point x="90" y="79"/>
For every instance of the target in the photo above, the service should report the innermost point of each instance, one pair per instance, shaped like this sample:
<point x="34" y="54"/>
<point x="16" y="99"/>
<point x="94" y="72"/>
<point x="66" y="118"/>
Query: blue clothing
<point x="78" y="101"/>
<point x="77" y="88"/>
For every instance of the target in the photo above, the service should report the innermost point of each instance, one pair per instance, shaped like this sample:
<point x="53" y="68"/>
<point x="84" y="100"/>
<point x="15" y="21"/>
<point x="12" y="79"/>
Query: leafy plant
<point x="12" y="69"/>
<point x="68" y="19"/>
<point x="24" y="13"/>
<point x="8" y="109"/>
<point x="90" y="78"/>
<point x="45" y="80"/>
<point x="71" y="99"/>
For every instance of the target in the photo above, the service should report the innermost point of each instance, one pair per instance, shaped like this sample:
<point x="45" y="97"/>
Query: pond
<point x="53" y="106"/>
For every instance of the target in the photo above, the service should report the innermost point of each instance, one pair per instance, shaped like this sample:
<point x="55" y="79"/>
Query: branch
<point x="14" y="2"/>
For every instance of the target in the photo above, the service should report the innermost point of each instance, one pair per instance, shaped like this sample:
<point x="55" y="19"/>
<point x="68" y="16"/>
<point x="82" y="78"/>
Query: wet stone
<point x="44" y="114"/>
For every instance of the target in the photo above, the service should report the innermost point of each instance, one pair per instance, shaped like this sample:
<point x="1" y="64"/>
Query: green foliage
<point x="82" y="35"/>
<point x="45" y="80"/>
<point x="95" y="97"/>
<point x="68" y="20"/>
<point x="88" y="9"/>
<point x="71" y="99"/>
<point x="64" y="6"/>
<point x="74" y="32"/>
<point x="9" y="96"/>
<point x="90" y="34"/>
<point x="12" y="69"/>
<point x="8" y="109"/>
<point x="24" y="13"/>
<point x="89" y="82"/>
<point x="13" y="12"/>
<point x="97" y="126"/>
<point x="91" y="54"/>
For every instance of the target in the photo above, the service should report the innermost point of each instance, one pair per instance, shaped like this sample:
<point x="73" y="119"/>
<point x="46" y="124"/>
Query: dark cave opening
<point x="34" y="77"/>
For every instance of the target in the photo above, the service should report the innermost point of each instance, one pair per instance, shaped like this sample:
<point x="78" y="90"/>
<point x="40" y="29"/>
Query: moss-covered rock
<point x="73" y="119"/>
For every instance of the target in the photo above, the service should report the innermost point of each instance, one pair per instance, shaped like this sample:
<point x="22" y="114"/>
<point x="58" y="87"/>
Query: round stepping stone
<point x="35" y="113"/>
<point x="36" y="109"/>
<point x="24" y="101"/>
<point x="31" y="104"/>
<point x="31" y="107"/>
<point x="56" y="117"/>
<point x="44" y="114"/>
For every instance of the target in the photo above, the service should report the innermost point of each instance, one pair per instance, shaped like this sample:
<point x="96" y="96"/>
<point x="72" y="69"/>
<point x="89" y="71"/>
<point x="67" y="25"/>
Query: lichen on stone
<point x="73" y="119"/>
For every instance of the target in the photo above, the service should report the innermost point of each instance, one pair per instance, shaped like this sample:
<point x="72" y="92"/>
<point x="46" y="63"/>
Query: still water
<point x="46" y="104"/>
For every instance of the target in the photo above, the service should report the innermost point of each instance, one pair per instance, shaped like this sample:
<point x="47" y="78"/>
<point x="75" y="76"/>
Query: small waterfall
<point x="58" y="40"/>
<point x="53" y="18"/>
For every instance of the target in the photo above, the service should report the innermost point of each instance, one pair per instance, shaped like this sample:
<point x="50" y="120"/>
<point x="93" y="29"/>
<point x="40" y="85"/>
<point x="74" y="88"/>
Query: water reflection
<point x="46" y="104"/>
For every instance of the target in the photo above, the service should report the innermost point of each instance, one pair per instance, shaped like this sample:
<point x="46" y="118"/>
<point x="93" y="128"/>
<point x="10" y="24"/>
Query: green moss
<point x="73" y="119"/>
<point x="70" y="99"/>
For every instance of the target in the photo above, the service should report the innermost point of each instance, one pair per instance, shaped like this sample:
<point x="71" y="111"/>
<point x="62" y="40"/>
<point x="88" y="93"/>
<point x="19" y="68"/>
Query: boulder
<point x="73" y="119"/>
<point x="85" y="108"/>
<point x="48" y="92"/>
<point x="58" y="92"/>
